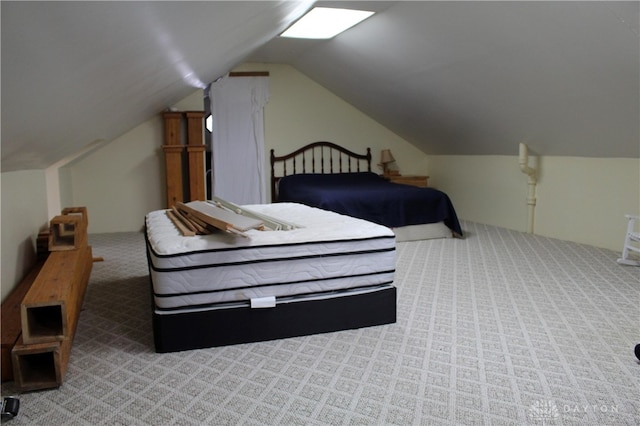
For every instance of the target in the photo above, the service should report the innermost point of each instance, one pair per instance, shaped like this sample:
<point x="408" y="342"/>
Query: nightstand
<point x="420" y="181"/>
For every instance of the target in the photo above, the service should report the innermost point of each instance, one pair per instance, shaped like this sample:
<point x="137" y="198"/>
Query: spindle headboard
<point x="317" y="157"/>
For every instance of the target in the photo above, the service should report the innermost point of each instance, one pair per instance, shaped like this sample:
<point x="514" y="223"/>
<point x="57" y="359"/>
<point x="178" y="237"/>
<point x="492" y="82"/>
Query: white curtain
<point x="238" y="161"/>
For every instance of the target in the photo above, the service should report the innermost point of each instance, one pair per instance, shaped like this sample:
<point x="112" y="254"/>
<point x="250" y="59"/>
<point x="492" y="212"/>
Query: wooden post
<point x="173" y="159"/>
<point x="195" y="151"/>
<point x="49" y="317"/>
<point x="51" y="307"/>
<point x="80" y="211"/>
<point x="173" y="149"/>
<point x="10" y="319"/>
<point x="67" y="232"/>
<point x="50" y="300"/>
<point x="37" y="366"/>
<point x="172" y="127"/>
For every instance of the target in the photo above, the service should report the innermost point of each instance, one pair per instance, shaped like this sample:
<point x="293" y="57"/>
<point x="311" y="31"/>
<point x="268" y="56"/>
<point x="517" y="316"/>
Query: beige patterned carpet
<point x="501" y="328"/>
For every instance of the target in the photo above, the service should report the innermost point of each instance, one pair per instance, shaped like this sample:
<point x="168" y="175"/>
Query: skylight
<point x="324" y="22"/>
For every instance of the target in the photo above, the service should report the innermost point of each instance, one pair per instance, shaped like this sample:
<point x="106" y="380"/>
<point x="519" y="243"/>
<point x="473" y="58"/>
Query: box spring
<point x="220" y="327"/>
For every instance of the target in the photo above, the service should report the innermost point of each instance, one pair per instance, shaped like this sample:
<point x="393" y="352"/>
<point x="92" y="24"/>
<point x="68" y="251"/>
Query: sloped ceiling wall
<point x="77" y="72"/>
<point x="450" y="77"/>
<point x="479" y="77"/>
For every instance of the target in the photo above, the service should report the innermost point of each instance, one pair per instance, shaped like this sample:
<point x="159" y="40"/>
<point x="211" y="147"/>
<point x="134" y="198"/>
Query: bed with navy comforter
<point x="369" y="196"/>
<point x="331" y="177"/>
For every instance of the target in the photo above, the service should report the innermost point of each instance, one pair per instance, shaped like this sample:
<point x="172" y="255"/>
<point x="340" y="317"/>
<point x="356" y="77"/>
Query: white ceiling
<point x="450" y="77"/>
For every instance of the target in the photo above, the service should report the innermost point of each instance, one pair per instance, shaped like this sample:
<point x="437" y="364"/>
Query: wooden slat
<point x="269" y="222"/>
<point x="202" y="218"/>
<point x="201" y="227"/>
<point x="220" y="218"/>
<point x="184" y="230"/>
<point x="185" y="220"/>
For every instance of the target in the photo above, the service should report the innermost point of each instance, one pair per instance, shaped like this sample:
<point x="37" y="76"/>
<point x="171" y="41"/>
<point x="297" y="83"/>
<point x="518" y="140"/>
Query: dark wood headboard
<point x="317" y="157"/>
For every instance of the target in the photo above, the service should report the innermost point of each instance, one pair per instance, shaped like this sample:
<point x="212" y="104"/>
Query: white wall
<point x="300" y="111"/>
<point x="577" y="199"/>
<point x="484" y="189"/>
<point x="585" y="199"/>
<point x="122" y="181"/>
<point x="24" y="215"/>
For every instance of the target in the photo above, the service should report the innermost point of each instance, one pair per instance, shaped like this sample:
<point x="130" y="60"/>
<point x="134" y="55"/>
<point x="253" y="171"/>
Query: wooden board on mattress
<point x="220" y="327"/>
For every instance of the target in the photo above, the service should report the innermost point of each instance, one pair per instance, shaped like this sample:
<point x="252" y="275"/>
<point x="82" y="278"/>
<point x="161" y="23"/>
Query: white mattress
<point x="328" y="253"/>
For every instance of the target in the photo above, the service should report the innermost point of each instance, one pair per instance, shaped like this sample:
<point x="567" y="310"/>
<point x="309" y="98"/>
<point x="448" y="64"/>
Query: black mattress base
<point x="220" y="327"/>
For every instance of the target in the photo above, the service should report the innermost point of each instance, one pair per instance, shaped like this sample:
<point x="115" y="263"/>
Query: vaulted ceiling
<point x="450" y="77"/>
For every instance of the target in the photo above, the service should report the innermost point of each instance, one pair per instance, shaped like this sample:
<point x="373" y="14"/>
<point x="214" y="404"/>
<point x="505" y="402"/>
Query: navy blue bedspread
<point x="369" y="196"/>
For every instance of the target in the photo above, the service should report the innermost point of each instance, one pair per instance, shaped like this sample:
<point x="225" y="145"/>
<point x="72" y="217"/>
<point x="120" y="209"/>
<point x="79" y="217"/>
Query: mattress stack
<point x="328" y="255"/>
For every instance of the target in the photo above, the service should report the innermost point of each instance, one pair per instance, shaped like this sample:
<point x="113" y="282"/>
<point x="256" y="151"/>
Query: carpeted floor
<point x="500" y="328"/>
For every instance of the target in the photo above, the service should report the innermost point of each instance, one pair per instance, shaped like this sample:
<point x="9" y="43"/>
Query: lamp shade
<point x="386" y="156"/>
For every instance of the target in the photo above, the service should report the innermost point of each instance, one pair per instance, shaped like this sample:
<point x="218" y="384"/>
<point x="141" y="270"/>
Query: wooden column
<point x="196" y="151"/>
<point x="50" y="307"/>
<point x="11" y="319"/>
<point x="173" y="149"/>
<point x="50" y="313"/>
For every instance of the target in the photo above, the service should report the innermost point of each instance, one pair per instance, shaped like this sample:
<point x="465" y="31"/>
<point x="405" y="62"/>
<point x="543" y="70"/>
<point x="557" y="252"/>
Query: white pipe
<point x="523" y="161"/>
